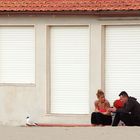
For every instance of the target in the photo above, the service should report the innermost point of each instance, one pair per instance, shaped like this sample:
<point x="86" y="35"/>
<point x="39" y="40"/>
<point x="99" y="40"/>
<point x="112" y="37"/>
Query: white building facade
<point x="52" y="66"/>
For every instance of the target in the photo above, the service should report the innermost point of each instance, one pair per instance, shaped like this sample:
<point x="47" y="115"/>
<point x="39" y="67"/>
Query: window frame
<point x="48" y="64"/>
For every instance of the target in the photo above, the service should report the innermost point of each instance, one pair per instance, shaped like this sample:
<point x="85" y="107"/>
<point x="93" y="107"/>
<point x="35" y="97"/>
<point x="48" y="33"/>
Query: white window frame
<point x="23" y="84"/>
<point x="48" y="75"/>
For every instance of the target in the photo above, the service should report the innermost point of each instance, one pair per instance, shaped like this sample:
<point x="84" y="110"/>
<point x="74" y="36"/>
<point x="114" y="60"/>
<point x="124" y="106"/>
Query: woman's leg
<point x="93" y="118"/>
<point x="103" y="119"/>
<point x="99" y="118"/>
<point x="107" y="119"/>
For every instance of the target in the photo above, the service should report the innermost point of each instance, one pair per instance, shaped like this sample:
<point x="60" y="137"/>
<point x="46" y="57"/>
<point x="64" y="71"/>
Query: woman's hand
<point x="112" y="109"/>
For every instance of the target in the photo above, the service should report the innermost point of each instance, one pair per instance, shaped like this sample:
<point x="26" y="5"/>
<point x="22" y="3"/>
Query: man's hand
<point x="112" y="109"/>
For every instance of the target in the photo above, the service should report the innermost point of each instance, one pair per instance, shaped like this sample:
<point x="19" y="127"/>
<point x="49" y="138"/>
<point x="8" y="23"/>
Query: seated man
<point x="129" y="113"/>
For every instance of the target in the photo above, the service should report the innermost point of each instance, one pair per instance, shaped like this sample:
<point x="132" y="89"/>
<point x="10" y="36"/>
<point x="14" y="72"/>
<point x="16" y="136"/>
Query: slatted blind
<point x="17" y="55"/>
<point x="69" y="70"/>
<point x="122" y="61"/>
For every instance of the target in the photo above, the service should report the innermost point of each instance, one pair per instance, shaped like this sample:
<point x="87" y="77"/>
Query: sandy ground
<point x="69" y="133"/>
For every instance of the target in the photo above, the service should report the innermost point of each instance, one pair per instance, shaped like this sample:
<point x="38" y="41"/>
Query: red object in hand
<point x="118" y="104"/>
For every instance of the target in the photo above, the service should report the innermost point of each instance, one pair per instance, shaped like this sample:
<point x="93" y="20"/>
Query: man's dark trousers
<point x="128" y="119"/>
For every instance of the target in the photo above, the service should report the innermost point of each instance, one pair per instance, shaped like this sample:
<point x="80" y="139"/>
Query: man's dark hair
<point x="123" y="93"/>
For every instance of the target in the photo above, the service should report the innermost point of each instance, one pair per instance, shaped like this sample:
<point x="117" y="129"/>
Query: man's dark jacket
<point x="132" y="106"/>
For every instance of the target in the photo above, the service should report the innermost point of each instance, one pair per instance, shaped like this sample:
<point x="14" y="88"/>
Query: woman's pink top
<point x="102" y="107"/>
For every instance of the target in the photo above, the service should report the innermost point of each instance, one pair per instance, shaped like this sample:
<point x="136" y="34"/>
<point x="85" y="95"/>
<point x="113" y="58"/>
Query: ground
<point x="70" y="133"/>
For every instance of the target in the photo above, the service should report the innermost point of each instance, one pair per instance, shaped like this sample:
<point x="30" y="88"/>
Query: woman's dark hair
<point x="124" y="94"/>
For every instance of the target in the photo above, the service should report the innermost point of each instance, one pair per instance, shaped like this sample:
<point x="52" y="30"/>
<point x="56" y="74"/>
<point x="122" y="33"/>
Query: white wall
<point x="17" y="101"/>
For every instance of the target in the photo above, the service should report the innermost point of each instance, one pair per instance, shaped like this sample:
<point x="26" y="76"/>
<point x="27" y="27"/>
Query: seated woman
<point x="101" y="116"/>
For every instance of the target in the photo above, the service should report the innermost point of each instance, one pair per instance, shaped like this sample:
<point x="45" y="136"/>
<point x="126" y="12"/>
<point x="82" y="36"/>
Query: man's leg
<point x="128" y="119"/>
<point x="136" y="120"/>
<point x="116" y="119"/>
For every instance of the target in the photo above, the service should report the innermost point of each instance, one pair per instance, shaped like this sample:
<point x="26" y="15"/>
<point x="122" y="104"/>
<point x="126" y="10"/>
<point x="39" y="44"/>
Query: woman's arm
<point x="107" y="106"/>
<point x="96" y="106"/>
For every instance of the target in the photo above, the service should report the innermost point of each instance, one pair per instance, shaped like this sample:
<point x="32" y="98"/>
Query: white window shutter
<point x="17" y="55"/>
<point x="122" y="61"/>
<point x="69" y="70"/>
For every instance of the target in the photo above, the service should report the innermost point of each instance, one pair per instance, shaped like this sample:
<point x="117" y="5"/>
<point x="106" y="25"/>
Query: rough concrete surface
<point x="70" y="133"/>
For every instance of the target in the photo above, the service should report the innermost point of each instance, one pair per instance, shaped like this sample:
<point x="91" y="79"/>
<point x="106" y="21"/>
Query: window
<point x="17" y="54"/>
<point x="122" y="61"/>
<point x="69" y="70"/>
